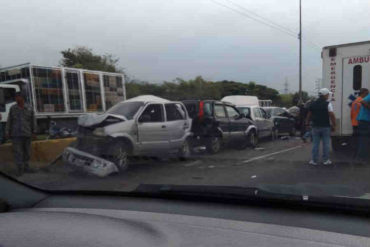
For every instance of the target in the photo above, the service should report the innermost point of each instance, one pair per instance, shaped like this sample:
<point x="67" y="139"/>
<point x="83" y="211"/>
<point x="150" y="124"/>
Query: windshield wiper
<point x="265" y="194"/>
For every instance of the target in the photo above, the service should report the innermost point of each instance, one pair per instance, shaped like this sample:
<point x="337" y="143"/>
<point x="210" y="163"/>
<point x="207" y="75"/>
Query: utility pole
<point x="300" y="53"/>
<point x="286" y="86"/>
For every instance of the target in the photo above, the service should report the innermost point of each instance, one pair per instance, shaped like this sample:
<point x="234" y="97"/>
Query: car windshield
<point x="111" y="95"/>
<point x="126" y="109"/>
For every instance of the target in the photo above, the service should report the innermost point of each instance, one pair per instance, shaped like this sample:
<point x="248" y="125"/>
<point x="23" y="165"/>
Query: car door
<point x="236" y="125"/>
<point x="267" y="123"/>
<point x="153" y="134"/>
<point x="280" y="120"/>
<point x="222" y="120"/>
<point x="260" y="121"/>
<point x="177" y="124"/>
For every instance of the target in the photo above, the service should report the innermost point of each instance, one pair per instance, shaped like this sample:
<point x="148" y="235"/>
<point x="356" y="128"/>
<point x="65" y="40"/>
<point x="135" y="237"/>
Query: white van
<point x="346" y="69"/>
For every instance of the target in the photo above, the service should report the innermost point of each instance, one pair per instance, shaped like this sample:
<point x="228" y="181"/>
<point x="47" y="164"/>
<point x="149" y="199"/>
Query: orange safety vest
<point x="355" y="109"/>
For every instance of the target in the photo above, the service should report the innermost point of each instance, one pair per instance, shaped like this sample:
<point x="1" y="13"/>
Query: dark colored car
<point x="216" y="123"/>
<point x="283" y="121"/>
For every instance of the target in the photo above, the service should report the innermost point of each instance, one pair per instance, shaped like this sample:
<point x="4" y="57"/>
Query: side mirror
<point x="144" y="119"/>
<point x="242" y="115"/>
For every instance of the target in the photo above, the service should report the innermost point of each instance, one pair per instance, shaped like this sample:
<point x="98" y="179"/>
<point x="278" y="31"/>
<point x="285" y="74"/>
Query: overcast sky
<point x="158" y="40"/>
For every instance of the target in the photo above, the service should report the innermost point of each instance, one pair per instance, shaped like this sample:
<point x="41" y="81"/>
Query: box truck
<point x="59" y="93"/>
<point x="346" y="69"/>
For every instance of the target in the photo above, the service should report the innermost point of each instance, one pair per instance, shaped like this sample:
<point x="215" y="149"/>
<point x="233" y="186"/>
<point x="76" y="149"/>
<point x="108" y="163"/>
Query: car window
<point x="257" y="113"/>
<point x="174" y="112"/>
<point x="153" y="113"/>
<point x="263" y="113"/>
<point x="232" y="112"/>
<point x="207" y="108"/>
<point x="220" y="111"/>
<point x="192" y="109"/>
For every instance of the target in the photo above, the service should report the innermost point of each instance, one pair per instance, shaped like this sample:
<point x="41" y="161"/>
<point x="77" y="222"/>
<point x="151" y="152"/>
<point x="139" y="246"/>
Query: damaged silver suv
<point x="142" y="126"/>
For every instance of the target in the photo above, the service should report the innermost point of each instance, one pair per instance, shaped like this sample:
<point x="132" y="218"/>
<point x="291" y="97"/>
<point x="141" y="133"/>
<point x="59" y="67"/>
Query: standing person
<point x="363" y="119"/>
<point x="321" y="112"/>
<point x="355" y="110"/>
<point x="20" y="127"/>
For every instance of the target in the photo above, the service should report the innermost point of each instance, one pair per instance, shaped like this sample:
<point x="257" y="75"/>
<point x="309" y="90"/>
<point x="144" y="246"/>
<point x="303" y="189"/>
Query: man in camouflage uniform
<point x="20" y="127"/>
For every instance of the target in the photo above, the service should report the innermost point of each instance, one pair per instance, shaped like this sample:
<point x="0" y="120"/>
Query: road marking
<point x="271" y="154"/>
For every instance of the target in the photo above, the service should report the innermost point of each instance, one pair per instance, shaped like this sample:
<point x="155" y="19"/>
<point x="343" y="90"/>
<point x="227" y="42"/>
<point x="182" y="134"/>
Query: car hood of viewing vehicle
<point x="92" y="119"/>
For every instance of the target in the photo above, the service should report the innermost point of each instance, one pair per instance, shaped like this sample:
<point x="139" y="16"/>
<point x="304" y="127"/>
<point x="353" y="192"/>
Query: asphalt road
<point x="279" y="162"/>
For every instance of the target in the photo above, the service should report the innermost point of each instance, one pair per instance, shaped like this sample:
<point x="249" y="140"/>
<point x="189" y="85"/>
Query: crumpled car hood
<point x="92" y="119"/>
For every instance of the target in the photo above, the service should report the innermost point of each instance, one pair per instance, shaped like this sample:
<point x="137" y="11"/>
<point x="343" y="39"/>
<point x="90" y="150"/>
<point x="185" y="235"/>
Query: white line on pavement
<point x="271" y="154"/>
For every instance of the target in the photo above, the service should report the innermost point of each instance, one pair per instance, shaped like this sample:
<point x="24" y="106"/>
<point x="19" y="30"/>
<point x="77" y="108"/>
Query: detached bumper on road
<point x="89" y="163"/>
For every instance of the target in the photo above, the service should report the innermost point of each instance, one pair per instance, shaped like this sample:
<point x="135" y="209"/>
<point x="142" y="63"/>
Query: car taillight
<point x="201" y="110"/>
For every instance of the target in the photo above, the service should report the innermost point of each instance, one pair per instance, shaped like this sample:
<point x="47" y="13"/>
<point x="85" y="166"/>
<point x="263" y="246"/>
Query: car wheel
<point x="253" y="139"/>
<point x="214" y="144"/>
<point x="120" y="153"/>
<point x="293" y="131"/>
<point x="185" y="150"/>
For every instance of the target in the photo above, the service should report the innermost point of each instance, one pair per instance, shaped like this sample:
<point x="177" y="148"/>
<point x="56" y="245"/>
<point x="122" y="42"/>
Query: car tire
<point x="253" y="139"/>
<point x="119" y="156"/>
<point x="185" y="150"/>
<point x="214" y="144"/>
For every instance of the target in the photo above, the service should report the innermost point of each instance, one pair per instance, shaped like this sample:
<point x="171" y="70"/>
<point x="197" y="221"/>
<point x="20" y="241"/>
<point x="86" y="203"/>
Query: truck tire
<point x="213" y="144"/>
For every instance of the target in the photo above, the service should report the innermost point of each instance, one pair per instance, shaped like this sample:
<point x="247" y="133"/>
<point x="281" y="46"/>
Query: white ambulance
<point x="346" y="69"/>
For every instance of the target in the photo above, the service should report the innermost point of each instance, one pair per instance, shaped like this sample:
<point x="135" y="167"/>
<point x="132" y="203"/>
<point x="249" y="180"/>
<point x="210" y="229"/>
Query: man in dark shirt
<point x="20" y="127"/>
<point x="321" y="114"/>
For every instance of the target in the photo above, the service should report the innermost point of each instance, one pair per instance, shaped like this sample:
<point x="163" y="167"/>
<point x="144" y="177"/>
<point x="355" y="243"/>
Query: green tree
<point x="286" y="100"/>
<point x="83" y="57"/>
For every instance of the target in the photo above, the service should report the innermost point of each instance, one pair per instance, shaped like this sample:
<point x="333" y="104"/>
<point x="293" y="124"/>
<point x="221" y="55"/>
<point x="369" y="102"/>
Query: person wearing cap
<point x="355" y="110"/>
<point x="323" y="120"/>
<point x="363" y="119"/>
<point x="20" y="128"/>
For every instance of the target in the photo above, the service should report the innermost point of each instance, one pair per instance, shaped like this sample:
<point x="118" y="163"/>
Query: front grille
<point x="91" y="144"/>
